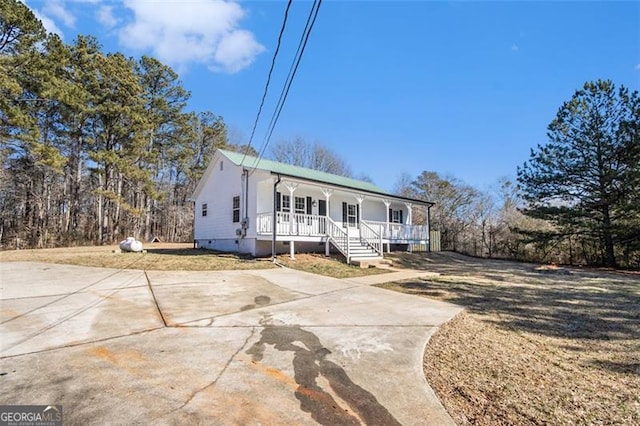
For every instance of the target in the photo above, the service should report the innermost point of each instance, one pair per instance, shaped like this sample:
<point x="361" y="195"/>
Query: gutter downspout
<point x="429" y="228"/>
<point x="245" y="217"/>
<point x="273" y="219"/>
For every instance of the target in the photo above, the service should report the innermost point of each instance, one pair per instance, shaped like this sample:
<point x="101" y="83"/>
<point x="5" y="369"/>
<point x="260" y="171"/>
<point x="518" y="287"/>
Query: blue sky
<point x="465" y="88"/>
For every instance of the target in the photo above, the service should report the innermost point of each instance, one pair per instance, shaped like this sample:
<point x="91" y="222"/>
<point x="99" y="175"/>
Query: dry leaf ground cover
<point x="536" y="345"/>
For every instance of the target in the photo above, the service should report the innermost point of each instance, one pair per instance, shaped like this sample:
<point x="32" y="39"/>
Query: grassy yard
<point x="329" y="266"/>
<point x="537" y="345"/>
<point x="162" y="256"/>
<point x="182" y="257"/>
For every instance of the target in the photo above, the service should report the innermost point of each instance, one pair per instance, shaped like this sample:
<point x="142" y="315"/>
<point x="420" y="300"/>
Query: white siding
<point x="218" y="192"/>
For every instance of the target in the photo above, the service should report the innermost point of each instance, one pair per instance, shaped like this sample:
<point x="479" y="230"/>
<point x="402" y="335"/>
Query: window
<point x="396" y="216"/>
<point x="204" y="209"/>
<point x="286" y="203"/>
<point x="236" y="209"/>
<point x="300" y="206"/>
<point x="352" y="215"/>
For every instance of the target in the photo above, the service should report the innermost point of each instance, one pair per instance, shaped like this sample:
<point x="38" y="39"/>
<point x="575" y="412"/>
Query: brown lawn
<point x="537" y="345"/>
<point x="183" y="257"/>
<point x="333" y="266"/>
<point x="159" y="256"/>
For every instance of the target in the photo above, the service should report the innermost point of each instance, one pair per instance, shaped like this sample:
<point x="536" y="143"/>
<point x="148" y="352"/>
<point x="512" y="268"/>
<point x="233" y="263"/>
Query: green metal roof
<point x="301" y="172"/>
<point x="309" y="174"/>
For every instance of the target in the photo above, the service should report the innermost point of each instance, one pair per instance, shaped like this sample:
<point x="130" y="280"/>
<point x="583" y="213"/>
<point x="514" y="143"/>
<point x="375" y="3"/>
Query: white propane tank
<point x="131" y="244"/>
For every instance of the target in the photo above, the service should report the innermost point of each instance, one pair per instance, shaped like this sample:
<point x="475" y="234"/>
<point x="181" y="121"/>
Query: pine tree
<point x="585" y="179"/>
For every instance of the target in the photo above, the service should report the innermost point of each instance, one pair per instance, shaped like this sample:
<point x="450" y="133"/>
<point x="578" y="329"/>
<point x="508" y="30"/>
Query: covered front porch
<point x="313" y="225"/>
<point x="357" y="224"/>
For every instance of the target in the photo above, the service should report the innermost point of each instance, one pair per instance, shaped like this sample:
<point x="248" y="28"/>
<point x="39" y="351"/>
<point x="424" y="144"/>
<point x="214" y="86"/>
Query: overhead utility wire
<point x="266" y="87"/>
<point x="311" y="19"/>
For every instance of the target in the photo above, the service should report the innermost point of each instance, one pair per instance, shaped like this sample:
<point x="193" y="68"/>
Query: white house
<point x="263" y="207"/>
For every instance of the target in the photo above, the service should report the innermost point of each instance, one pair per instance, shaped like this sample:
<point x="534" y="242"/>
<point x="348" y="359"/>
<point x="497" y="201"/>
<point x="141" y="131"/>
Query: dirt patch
<point x="159" y="257"/>
<point x="536" y="345"/>
<point x="331" y="266"/>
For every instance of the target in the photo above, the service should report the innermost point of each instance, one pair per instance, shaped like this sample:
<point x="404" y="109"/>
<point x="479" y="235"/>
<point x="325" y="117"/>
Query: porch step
<point x="361" y="253"/>
<point x="366" y="262"/>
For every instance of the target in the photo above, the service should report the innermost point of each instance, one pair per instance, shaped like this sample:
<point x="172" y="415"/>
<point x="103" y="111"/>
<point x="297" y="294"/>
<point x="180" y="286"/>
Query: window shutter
<point x="309" y="201"/>
<point x="278" y="201"/>
<point x="390" y="217"/>
<point x="401" y="221"/>
<point x="344" y="214"/>
<point x="357" y="213"/>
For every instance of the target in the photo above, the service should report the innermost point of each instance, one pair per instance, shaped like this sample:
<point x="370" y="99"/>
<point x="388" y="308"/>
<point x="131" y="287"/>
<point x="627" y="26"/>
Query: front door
<point x="322" y="207"/>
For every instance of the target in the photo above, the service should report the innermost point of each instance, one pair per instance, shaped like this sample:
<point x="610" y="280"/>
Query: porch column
<point x="292" y="188"/>
<point x="359" y="198"/>
<point x="409" y="207"/>
<point x="292" y="250"/>
<point x="327" y="195"/>
<point x="408" y="236"/>
<point x="387" y="203"/>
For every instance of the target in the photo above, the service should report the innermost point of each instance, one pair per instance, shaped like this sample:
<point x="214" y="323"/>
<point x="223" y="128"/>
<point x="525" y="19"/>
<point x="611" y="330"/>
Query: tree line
<point x="575" y="201"/>
<point x="95" y="146"/>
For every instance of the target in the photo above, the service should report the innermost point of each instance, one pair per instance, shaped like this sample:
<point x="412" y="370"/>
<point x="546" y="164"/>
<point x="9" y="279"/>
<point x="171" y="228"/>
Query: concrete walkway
<point x="241" y="347"/>
<point x="390" y="277"/>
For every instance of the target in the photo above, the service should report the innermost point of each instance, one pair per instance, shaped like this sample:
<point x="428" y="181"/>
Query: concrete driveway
<point x="263" y="347"/>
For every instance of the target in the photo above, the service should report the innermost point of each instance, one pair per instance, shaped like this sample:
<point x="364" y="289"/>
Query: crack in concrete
<point x="213" y="383"/>
<point x="80" y="290"/>
<point x="67" y="317"/>
<point x="155" y="301"/>
<point x="89" y="342"/>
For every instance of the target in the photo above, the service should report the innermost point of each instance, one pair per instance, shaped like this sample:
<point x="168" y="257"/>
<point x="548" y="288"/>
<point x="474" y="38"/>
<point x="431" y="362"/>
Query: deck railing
<point x="317" y="226"/>
<point x="292" y="224"/>
<point x="372" y="237"/>
<point x="400" y="231"/>
<point x="339" y="238"/>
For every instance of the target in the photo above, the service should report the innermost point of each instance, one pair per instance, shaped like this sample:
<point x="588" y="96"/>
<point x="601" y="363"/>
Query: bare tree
<point x="299" y="152"/>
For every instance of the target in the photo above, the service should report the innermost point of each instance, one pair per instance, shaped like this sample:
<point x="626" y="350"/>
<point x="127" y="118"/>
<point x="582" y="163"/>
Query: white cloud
<point x="237" y="50"/>
<point x="515" y="47"/>
<point x="56" y="9"/>
<point x="205" y="32"/>
<point x="105" y="16"/>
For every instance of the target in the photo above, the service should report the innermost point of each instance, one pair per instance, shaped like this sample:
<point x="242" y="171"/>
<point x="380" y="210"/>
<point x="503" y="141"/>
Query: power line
<point x="311" y="19"/>
<point x="266" y="87"/>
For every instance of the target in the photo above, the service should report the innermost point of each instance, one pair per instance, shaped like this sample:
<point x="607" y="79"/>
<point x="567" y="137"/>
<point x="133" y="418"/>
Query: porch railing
<point x="371" y="237"/>
<point x="400" y="231"/>
<point x="339" y="238"/>
<point x="292" y="224"/>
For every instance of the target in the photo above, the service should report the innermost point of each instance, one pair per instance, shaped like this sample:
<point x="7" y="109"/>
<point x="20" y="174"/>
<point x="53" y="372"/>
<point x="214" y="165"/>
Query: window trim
<point x="396" y="216"/>
<point x="235" y="209"/>
<point x="303" y="209"/>
<point x="285" y="204"/>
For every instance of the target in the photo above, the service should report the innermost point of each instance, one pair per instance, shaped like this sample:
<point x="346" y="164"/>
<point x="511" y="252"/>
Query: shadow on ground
<point x="555" y="302"/>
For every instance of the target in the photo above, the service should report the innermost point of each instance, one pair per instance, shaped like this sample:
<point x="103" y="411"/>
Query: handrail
<point x="339" y="238"/>
<point x="292" y="224"/>
<point x="371" y="237"/>
<point x="401" y="231"/>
